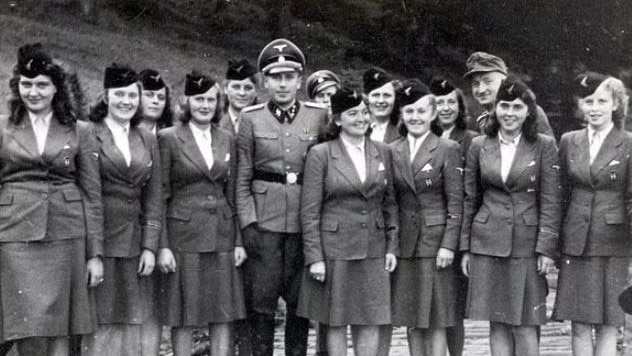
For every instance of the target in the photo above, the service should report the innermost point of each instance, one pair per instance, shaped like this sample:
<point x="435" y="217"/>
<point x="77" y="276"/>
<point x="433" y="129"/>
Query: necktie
<point x="594" y="146"/>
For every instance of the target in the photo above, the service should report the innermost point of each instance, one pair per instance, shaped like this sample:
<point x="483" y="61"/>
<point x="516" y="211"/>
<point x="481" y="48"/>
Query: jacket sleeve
<point x="165" y="167"/>
<point x="565" y="190"/>
<point x="472" y="188"/>
<point x="549" y="200"/>
<point x="230" y="190"/>
<point x="390" y="208"/>
<point x="90" y="186"/>
<point x="245" y="202"/>
<point x="152" y="203"/>
<point x="312" y="193"/>
<point x="453" y="191"/>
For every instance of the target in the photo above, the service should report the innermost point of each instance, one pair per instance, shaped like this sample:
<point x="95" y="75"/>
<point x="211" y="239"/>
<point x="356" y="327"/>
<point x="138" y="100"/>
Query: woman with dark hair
<point x="155" y="102"/>
<point x="379" y="93"/>
<point x="509" y="235"/>
<point x="133" y="213"/>
<point x="596" y="172"/>
<point x="349" y="217"/>
<point x="240" y="89"/>
<point x="452" y="118"/>
<point x="198" y="167"/>
<point x="429" y="190"/>
<point x="51" y="233"/>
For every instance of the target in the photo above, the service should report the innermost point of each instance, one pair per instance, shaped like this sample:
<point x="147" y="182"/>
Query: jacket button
<point x="287" y="134"/>
<point x="44" y="196"/>
<point x="364" y="212"/>
<point x="363" y="225"/>
<point x="287" y="150"/>
<point x="210" y="197"/>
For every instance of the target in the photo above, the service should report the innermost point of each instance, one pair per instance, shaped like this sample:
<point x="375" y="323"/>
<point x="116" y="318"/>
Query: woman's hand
<point x="444" y="257"/>
<point x="390" y="262"/>
<point x="545" y="264"/>
<point x="465" y="264"/>
<point x="240" y="256"/>
<point x="146" y="263"/>
<point x="94" y="268"/>
<point x="166" y="261"/>
<point x="318" y="270"/>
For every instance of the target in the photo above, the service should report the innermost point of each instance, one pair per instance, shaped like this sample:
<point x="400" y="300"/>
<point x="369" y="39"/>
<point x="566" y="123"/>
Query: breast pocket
<point x="6" y="200"/>
<point x="266" y="142"/>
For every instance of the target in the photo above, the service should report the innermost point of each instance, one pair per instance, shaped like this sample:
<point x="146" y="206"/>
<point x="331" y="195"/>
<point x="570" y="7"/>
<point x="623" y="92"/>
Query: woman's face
<point x="153" y="103"/>
<point x="511" y="115"/>
<point x="123" y="102"/>
<point x="203" y="106"/>
<point x="447" y="109"/>
<point x="355" y="121"/>
<point x="324" y="96"/>
<point x="241" y="93"/>
<point x="37" y="93"/>
<point x="382" y="100"/>
<point x="418" y="116"/>
<point x="598" y="107"/>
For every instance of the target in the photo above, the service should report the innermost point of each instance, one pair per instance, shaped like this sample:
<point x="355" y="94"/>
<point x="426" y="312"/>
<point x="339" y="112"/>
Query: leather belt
<point x="288" y="178"/>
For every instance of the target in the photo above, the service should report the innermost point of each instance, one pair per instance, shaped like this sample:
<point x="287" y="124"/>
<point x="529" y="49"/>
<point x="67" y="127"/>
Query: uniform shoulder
<point x="253" y="108"/>
<point x="446" y="142"/>
<point x="168" y="132"/>
<point x="223" y="131"/>
<point x="571" y="134"/>
<point x="478" y="140"/>
<point x="311" y="104"/>
<point x="546" y="138"/>
<point x="396" y="142"/>
<point x="320" y="148"/>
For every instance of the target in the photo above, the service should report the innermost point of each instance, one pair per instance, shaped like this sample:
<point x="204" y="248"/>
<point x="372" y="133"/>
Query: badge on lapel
<point x="531" y="164"/>
<point x="66" y="147"/>
<point x="426" y="168"/>
<point x="614" y="162"/>
<point x="227" y="158"/>
<point x="380" y="167"/>
<point x="66" y="162"/>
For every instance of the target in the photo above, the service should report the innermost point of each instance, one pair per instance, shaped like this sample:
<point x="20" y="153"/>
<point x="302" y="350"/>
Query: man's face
<point x="485" y="86"/>
<point x="282" y="86"/>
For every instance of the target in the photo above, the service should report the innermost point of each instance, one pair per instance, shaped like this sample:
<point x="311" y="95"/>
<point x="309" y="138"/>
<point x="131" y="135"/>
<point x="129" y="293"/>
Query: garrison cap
<point x="119" y="76"/>
<point x="240" y="70"/>
<point x="345" y="99"/>
<point x="587" y="82"/>
<point x="320" y="80"/>
<point x="511" y="89"/>
<point x="375" y="78"/>
<point x="151" y="79"/>
<point x="279" y="56"/>
<point x="197" y="83"/>
<point x="481" y="62"/>
<point x="411" y="91"/>
<point x="33" y="61"/>
<point x="625" y="300"/>
<point x="441" y="86"/>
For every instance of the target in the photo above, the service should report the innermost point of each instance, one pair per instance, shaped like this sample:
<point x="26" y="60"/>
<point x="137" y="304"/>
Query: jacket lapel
<point x="579" y="153"/>
<point x="344" y="165"/>
<point x="221" y="155"/>
<point x="403" y="163"/>
<point x="608" y="151"/>
<point x="110" y="151"/>
<point x="25" y="137"/>
<point x="391" y="134"/>
<point x="57" y="139"/>
<point x="424" y="154"/>
<point x="457" y="135"/>
<point x="141" y="155"/>
<point x="191" y="149"/>
<point x="490" y="161"/>
<point x="373" y="165"/>
<point x="524" y="157"/>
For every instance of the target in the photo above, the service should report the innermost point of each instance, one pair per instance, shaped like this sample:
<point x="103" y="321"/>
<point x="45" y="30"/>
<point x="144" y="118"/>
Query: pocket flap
<point x="307" y="137"/>
<point x="72" y="195"/>
<point x="530" y="219"/>
<point x="6" y="199"/>
<point x="614" y="218"/>
<point x="329" y="225"/>
<point x="434" y="219"/>
<point x="258" y="188"/>
<point x="266" y="135"/>
<point x="179" y="213"/>
<point x="482" y="217"/>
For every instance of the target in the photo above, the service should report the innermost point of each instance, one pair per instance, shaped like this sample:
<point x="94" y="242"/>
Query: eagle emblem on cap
<point x="28" y="64"/>
<point x="238" y="69"/>
<point x="376" y="76"/>
<point x="155" y="78"/>
<point x="443" y="83"/>
<point x="199" y="82"/>
<point x="407" y="91"/>
<point x="510" y="89"/>
<point x="355" y="95"/>
<point x="280" y="47"/>
<point x="320" y="80"/>
<point x="584" y="82"/>
<point x="125" y="75"/>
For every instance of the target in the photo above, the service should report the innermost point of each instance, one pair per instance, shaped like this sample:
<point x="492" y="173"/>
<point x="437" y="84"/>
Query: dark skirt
<point x="124" y="297"/>
<point x="43" y="290"/>
<point x="355" y="292"/>
<point x="423" y="296"/>
<point x="206" y="288"/>
<point x="507" y="290"/>
<point x="588" y="289"/>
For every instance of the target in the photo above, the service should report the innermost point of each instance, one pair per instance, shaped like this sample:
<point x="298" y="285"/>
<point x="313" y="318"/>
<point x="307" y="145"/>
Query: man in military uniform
<point x="485" y="72"/>
<point x="273" y="140"/>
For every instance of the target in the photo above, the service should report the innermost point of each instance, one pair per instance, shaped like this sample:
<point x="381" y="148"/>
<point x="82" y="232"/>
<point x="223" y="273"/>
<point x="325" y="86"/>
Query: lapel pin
<point x="461" y="170"/>
<point x="380" y="167"/>
<point x="531" y="164"/>
<point x="66" y="162"/>
<point x="95" y="155"/>
<point x="613" y="175"/>
<point x="66" y="147"/>
<point x="227" y="157"/>
<point x="532" y="178"/>
<point x="428" y="182"/>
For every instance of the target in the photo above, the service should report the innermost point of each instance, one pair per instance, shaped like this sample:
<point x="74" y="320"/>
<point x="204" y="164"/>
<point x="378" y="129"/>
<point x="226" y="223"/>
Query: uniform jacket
<point x="518" y="218"/>
<point x="227" y="124"/>
<point x="200" y="202"/>
<point x="343" y="218"/>
<point x="132" y="201"/>
<point x="53" y="196"/>
<point x="265" y="144"/>
<point x="464" y="138"/>
<point x="542" y="122"/>
<point x="391" y="134"/>
<point x="430" y="195"/>
<point x="598" y="197"/>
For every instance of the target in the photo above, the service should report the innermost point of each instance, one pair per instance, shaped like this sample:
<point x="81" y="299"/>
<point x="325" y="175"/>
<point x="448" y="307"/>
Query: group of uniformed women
<point x="390" y="231"/>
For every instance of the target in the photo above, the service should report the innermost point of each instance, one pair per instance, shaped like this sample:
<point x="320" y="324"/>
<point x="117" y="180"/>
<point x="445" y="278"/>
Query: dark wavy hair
<point x="67" y="102"/>
<point x="185" y="111"/>
<point x="166" y="119"/>
<point x="99" y="111"/>
<point x="529" y="128"/>
<point x="461" y="118"/>
<point x="434" y="125"/>
<point x="331" y="131"/>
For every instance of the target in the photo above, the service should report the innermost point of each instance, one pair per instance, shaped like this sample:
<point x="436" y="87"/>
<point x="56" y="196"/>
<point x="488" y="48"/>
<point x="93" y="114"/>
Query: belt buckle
<point x="291" y="178"/>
